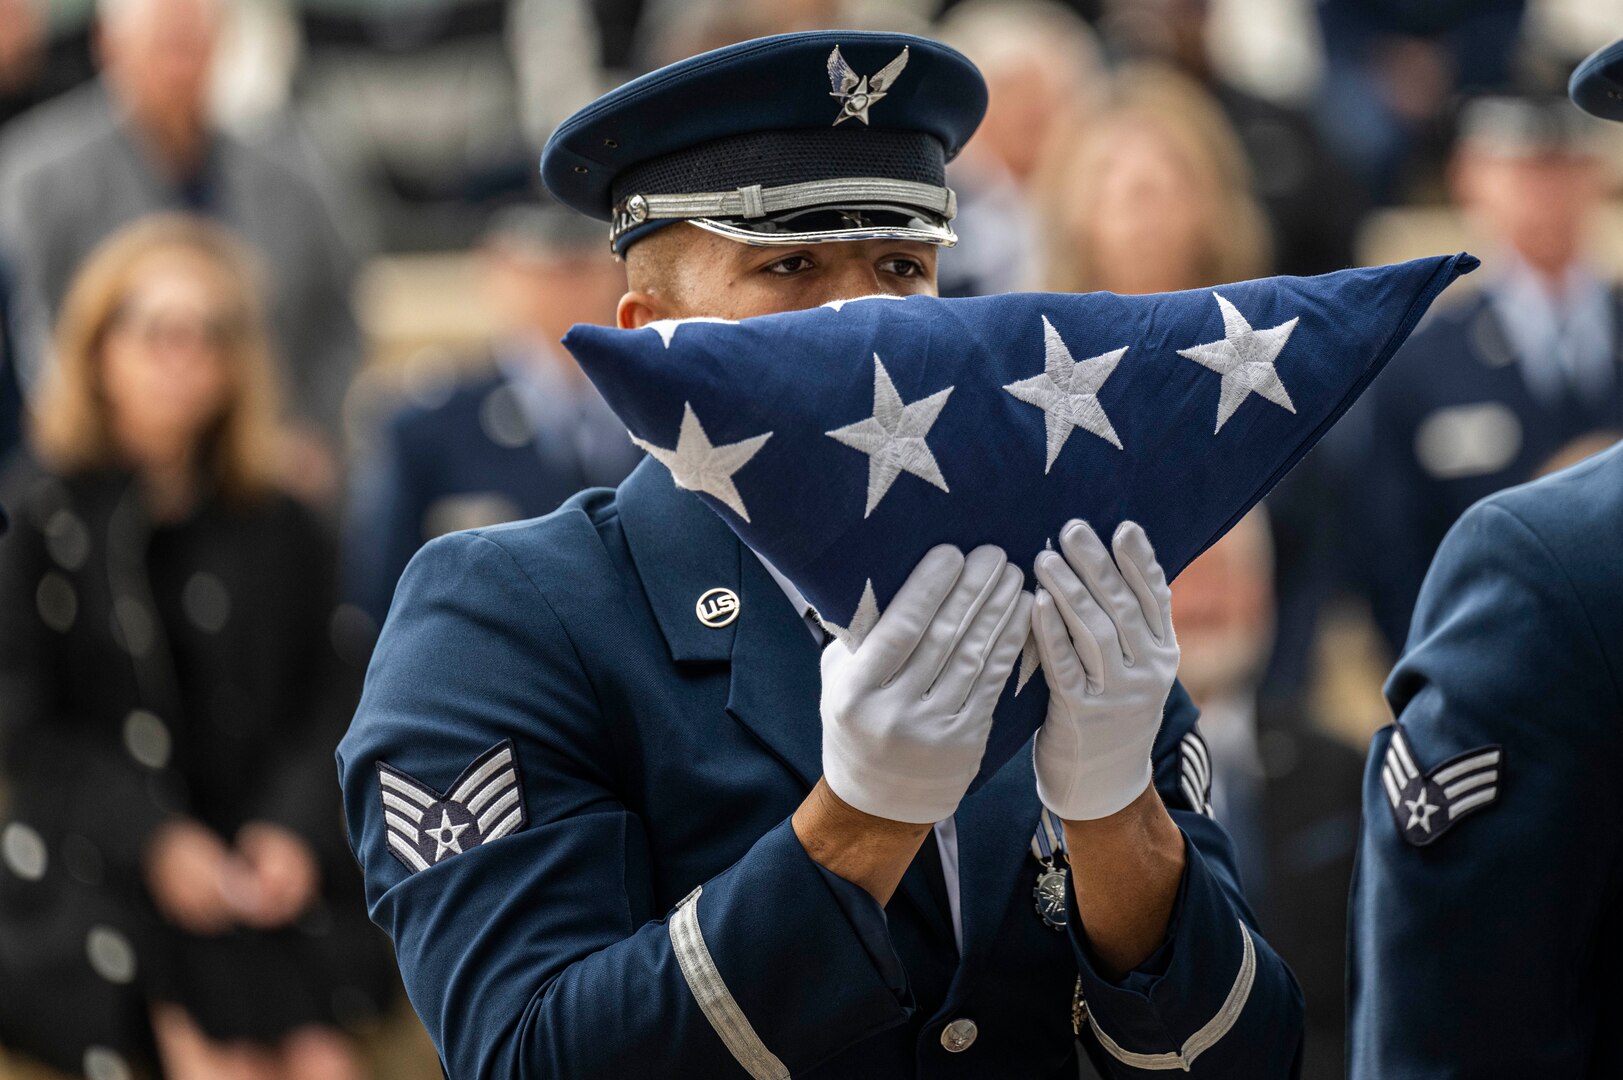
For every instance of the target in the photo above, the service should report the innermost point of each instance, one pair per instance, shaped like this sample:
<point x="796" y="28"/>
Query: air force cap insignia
<point x="1426" y="805"/>
<point x="425" y="827"/>
<point x="859" y="93"/>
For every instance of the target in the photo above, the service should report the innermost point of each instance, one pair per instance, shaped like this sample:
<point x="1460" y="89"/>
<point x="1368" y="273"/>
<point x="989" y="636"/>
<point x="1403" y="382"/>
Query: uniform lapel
<point x="681" y="551"/>
<point x="776" y="681"/>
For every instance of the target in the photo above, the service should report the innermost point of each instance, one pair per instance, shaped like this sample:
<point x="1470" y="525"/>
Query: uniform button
<point x="959" y="1036"/>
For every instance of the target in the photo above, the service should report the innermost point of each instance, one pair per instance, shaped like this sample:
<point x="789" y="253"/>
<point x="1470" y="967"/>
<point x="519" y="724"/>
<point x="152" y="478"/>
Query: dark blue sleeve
<point x="540" y="954"/>
<point x="867" y="918"/>
<point x="1214" y="1000"/>
<point x="1475" y="954"/>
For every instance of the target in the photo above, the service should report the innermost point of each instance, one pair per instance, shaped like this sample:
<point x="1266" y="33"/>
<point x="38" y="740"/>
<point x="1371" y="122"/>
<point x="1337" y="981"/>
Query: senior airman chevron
<point x="1425" y="805"/>
<point x="843" y="442"/>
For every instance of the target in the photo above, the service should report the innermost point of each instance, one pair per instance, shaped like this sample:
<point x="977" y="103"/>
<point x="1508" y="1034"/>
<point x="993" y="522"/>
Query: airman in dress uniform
<point x="1489" y="388"/>
<point x="1488" y="899"/>
<point x="624" y="814"/>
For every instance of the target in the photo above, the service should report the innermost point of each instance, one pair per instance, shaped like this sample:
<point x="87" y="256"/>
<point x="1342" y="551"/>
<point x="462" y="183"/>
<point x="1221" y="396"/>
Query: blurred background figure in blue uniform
<point x="519" y="430"/>
<point x="1393" y="68"/>
<point x="1480" y="397"/>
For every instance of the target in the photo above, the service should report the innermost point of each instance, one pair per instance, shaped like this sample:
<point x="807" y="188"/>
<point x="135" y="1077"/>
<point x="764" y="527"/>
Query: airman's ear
<point x="637" y="309"/>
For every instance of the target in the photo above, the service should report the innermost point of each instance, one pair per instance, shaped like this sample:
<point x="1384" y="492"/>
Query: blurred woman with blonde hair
<point x="1154" y="194"/>
<point x="173" y="688"/>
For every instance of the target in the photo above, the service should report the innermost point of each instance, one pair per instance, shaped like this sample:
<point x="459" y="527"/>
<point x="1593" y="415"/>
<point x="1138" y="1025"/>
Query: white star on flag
<point x="698" y="466"/>
<point x="1245" y="358"/>
<point x="862" y="620"/>
<point x="1030" y="661"/>
<point x="839" y="305"/>
<point x="666" y="328"/>
<point x="893" y="437"/>
<point x="1068" y="392"/>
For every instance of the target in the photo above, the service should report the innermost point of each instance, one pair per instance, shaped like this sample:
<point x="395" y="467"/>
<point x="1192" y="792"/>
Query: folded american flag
<point x="843" y="442"/>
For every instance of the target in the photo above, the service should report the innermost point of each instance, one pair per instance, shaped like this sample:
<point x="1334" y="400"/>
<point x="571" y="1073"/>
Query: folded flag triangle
<point x="843" y="442"/>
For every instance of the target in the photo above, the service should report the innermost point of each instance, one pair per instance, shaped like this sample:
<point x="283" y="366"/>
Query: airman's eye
<point x="902" y="267"/>
<point x="793" y="264"/>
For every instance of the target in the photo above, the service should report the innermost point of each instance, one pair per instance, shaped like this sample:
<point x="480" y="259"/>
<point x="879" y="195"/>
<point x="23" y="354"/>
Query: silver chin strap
<point x="756" y="202"/>
<point x="938" y="235"/>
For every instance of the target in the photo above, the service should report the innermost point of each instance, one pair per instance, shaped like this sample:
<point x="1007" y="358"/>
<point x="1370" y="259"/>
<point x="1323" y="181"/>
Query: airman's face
<point x="721" y="278"/>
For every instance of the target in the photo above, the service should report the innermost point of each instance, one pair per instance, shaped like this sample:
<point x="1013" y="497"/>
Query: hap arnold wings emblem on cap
<point x="860" y="92"/>
<point x="424" y="827"/>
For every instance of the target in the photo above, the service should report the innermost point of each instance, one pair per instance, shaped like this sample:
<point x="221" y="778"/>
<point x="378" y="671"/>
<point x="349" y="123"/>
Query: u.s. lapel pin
<point x="717" y="608"/>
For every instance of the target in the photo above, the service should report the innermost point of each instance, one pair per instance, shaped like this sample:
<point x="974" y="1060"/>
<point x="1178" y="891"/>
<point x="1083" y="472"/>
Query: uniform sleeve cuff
<point x="867" y="919"/>
<point x="787" y="974"/>
<point x="1188" y="994"/>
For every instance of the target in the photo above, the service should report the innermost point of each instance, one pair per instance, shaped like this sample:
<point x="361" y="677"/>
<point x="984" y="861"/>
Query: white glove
<point x="1109" y="656"/>
<point x="906" y="716"/>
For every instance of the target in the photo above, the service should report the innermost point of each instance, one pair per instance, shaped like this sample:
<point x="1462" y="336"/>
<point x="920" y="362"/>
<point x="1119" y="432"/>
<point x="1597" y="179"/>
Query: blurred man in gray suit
<point x="142" y="140"/>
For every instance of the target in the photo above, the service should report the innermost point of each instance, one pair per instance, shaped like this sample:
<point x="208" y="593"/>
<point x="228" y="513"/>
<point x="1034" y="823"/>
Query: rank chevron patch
<point x="1195" y="772"/>
<point x="425" y="827"/>
<point x="1427" y="805"/>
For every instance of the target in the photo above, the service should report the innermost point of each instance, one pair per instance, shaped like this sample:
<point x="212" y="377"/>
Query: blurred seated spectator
<point x="517" y="436"/>
<point x="1153" y="195"/>
<point x="1288" y="793"/>
<point x="1314" y="206"/>
<point x="1044" y="75"/>
<point x="417" y="104"/>
<point x="1491" y="385"/>
<point x="1394" y="68"/>
<point x="142" y="141"/>
<point x="34" y="66"/>
<point x="171" y="866"/>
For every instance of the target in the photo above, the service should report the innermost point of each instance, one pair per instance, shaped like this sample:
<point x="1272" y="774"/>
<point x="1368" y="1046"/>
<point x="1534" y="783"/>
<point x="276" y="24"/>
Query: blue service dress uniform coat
<point x="1451" y="421"/>
<point x="1487" y="906"/>
<point x="641" y="905"/>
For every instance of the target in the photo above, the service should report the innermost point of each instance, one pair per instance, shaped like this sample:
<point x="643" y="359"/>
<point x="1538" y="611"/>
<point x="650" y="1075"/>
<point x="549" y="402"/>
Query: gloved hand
<point x="1104" y="632"/>
<point x="906" y="716"/>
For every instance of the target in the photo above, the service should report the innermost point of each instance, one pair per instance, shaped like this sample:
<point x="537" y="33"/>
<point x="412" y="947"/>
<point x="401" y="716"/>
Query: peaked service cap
<point x="1597" y="83"/>
<point x="792" y="139"/>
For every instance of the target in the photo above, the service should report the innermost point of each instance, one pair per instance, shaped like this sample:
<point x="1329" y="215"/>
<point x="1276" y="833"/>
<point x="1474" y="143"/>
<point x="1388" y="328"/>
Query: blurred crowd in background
<point x="280" y="300"/>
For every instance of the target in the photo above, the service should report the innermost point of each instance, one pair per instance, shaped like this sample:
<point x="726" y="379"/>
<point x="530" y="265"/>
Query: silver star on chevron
<point x="1068" y="392"/>
<point x="893" y="437"/>
<point x="1245" y="358"/>
<point x="1420" y="811"/>
<point x="697" y="465"/>
<point x="446" y="837"/>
